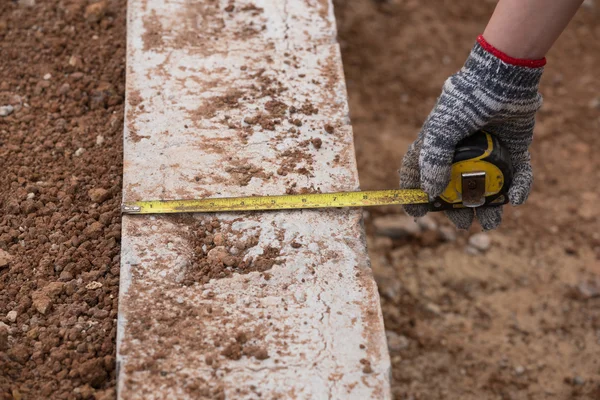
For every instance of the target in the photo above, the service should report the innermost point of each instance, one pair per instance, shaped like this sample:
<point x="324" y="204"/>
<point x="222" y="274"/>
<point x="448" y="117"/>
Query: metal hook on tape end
<point x="125" y="209"/>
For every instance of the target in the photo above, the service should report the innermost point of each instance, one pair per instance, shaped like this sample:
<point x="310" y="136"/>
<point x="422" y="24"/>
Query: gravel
<point x="427" y="223"/>
<point x="519" y="370"/>
<point x="98" y="195"/>
<point x="395" y="341"/>
<point x="5" y="111"/>
<point x="5" y="258"/>
<point x="448" y="233"/>
<point x="11" y="316"/>
<point x="480" y="241"/>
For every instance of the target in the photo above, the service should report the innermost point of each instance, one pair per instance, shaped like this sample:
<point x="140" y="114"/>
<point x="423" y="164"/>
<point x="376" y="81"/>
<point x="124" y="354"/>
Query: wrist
<point x="518" y="62"/>
<point x="491" y="71"/>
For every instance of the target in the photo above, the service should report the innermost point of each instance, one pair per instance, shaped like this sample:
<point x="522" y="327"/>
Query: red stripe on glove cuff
<point x="520" y="62"/>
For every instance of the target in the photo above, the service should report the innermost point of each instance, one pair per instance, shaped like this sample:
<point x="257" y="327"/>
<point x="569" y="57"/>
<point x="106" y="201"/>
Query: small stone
<point x="41" y="86"/>
<point x="480" y="241"/>
<point x="5" y="258"/>
<point x="578" y="381"/>
<point x="472" y="251"/>
<point x="317" y="142"/>
<point x="11" y="316"/>
<point x="47" y="77"/>
<point x="79" y="152"/>
<point x="5" y="111"/>
<point x="433" y="308"/>
<point x="85" y="391"/>
<point x="94" y="230"/>
<point x="448" y="233"/>
<point x="65" y="276"/>
<point x="588" y="289"/>
<point x="27" y="3"/>
<point x="217" y="255"/>
<point x="388" y="287"/>
<point x="30" y="196"/>
<point x="63" y="89"/>
<point x="75" y="61"/>
<point x="587" y="206"/>
<point x="16" y="394"/>
<point x="4" y="331"/>
<point x="261" y="354"/>
<point x="41" y="302"/>
<point x="218" y="240"/>
<point x="99" y="140"/>
<point x="101" y="314"/>
<point x="396" y="342"/>
<point x="427" y="223"/>
<point x="53" y="289"/>
<point x="396" y="226"/>
<point x="230" y="261"/>
<point x="98" y="195"/>
<point x="96" y="11"/>
<point x="519" y="370"/>
<point x="93" y="285"/>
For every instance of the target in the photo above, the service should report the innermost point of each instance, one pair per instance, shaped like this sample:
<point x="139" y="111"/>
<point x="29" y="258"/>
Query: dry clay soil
<point x="519" y="321"/>
<point x="522" y="320"/>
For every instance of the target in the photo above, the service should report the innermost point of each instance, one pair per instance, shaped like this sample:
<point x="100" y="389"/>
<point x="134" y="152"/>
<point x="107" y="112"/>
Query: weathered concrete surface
<point x="233" y="99"/>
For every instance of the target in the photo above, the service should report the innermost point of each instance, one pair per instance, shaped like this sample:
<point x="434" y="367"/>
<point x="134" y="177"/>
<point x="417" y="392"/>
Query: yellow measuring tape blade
<point x="284" y="202"/>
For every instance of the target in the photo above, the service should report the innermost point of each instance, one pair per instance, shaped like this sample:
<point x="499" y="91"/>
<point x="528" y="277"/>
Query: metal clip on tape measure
<point x="481" y="175"/>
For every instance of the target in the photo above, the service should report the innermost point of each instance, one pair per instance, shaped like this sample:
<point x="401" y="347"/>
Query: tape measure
<point x="481" y="175"/>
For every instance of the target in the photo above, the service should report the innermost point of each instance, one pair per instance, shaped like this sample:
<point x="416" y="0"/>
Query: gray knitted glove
<point x="493" y="92"/>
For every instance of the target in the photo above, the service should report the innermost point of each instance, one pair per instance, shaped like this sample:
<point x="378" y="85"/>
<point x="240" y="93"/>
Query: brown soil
<point x="218" y="253"/>
<point x="62" y="68"/>
<point x="521" y="321"/>
<point x="185" y="326"/>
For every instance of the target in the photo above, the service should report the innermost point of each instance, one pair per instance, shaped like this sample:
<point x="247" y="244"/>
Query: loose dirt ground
<point x="62" y="70"/>
<point x="520" y="321"/>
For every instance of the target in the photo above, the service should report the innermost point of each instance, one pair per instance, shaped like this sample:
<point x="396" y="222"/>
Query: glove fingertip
<point x="461" y="218"/>
<point x="416" y="210"/>
<point x="517" y="195"/>
<point x="489" y="217"/>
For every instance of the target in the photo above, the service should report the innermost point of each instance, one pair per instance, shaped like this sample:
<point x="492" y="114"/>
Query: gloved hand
<point x="493" y="92"/>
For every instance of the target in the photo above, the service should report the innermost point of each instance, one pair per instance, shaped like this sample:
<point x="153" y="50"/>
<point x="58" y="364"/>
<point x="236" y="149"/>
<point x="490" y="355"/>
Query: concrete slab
<point x="233" y="99"/>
